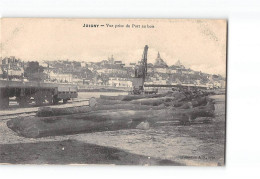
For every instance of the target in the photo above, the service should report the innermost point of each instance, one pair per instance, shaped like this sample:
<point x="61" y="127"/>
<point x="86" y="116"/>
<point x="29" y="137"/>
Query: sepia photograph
<point x="142" y="92"/>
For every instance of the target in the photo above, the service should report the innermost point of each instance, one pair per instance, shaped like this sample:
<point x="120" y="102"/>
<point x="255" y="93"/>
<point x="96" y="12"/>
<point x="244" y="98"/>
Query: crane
<point x="140" y="73"/>
<point x="144" y="62"/>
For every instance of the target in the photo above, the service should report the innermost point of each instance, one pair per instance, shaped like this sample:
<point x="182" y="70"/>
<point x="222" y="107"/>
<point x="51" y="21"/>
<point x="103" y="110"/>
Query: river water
<point x="87" y="95"/>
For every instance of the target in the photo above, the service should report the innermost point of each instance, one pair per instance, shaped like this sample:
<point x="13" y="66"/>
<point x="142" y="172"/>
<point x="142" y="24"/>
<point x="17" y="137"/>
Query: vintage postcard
<point x="113" y="91"/>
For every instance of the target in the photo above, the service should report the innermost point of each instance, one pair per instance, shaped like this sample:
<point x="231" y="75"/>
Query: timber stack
<point x="116" y="113"/>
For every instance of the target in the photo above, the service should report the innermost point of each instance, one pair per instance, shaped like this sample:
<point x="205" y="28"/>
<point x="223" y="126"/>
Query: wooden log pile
<point x="112" y="113"/>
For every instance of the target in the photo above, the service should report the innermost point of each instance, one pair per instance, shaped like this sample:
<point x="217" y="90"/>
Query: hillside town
<point x="109" y="72"/>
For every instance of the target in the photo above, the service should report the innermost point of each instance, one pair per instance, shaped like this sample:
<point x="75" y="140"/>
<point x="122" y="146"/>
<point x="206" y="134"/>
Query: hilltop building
<point x="111" y="60"/>
<point x="159" y="62"/>
<point x="179" y="64"/>
<point x="159" y="66"/>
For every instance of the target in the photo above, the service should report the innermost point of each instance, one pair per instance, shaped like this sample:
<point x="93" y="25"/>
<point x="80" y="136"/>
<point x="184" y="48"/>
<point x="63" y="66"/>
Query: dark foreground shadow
<point x="72" y="152"/>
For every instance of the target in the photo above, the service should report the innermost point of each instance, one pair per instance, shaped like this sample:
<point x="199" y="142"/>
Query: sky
<point x="199" y="44"/>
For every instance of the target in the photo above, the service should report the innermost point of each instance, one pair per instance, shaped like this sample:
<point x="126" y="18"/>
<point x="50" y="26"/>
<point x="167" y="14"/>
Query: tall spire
<point x="159" y="62"/>
<point x="178" y="63"/>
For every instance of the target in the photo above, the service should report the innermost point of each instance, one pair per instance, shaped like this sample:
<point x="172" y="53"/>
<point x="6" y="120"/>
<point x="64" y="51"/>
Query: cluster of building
<point x="11" y="68"/>
<point x="111" y="72"/>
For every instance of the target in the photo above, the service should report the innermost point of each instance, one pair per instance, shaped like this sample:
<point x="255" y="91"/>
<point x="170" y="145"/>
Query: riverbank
<point x="165" y="143"/>
<point x="103" y="89"/>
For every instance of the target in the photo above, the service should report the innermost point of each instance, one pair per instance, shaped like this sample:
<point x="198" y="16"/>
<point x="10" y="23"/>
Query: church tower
<point x="159" y="61"/>
<point x="158" y="56"/>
